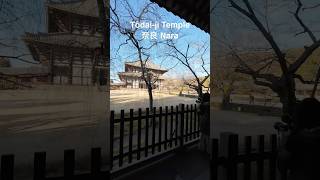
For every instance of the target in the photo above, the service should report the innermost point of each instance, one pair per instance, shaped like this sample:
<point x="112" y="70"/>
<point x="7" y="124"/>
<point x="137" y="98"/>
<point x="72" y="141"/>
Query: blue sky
<point x="281" y="21"/>
<point x="191" y="35"/>
<point x="30" y="17"/>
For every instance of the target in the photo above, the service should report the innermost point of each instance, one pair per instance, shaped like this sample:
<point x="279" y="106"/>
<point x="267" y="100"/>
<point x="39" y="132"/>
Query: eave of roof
<point x="64" y="39"/>
<point x="82" y="7"/>
<point x="23" y="71"/>
<point x="149" y="65"/>
<point x="195" y="12"/>
<point x="132" y="74"/>
<point x="135" y="74"/>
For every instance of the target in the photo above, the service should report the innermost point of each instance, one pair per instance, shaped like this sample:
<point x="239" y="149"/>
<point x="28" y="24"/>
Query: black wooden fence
<point x="233" y="158"/>
<point x="155" y="132"/>
<point x="39" y="170"/>
<point x="175" y="127"/>
<point x="229" y="162"/>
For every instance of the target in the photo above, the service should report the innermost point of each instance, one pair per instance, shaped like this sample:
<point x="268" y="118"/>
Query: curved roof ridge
<point x="149" y="64"/>
<point x="81" y="7"/>
<point x="64" y="2"/>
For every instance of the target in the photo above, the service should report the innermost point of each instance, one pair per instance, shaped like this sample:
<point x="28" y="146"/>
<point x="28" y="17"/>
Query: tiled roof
<point x="135" y="74"/>
<point x="131" y="74"/>
<point x="82" y="7"/>
<point x="149" y="65"/>
<point x="64" y="39"/>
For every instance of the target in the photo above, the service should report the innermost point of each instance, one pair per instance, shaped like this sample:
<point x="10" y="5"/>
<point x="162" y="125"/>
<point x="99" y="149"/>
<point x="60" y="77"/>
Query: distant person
<point x="302" y="157"/>
<point x="205" y="122"/>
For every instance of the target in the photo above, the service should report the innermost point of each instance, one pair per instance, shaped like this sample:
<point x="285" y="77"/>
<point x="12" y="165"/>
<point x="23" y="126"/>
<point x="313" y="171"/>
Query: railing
<point x="248" y="158"/>
<point x="226" y="155"/>
<point x="155" y="133"/>
<point x="39" y="170"/>
<point x="145" y="134"/>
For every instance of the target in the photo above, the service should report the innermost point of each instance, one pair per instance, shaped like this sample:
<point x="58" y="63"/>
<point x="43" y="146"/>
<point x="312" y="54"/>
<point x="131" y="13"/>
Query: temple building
<point x="132" y="77"/>
<point x="70" y="49"/>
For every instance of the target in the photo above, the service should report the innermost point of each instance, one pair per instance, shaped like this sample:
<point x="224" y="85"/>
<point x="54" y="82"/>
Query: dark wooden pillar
<point x="51" y="66"/>
<point x="93" y="69"/>
<point x="80" y="27"/>
<point x="81" y="68"/>
<point x="70" y="22"/>
<point x="70" y="68"/>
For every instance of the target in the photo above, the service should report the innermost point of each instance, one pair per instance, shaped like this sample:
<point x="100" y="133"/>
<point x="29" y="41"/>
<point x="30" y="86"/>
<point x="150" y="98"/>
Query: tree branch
<point x="250" y="14"/>
<point x="303" y="57"/>
<point x="302" y="80"/>
<point x="302" y="24"/>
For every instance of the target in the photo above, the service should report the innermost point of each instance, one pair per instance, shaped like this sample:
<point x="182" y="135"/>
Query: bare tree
<point x="10" y="23"/>
<point x="225" y="77"/>
<point x="141" y="47"/>
<point x="284" y="83"/>
<point x="185" y="57"/>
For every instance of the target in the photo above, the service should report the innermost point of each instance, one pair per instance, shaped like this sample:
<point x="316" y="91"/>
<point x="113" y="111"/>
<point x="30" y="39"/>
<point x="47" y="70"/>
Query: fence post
<point x="160" y="129"/>
<point x="191" y="122"/>
<point x="224" y="143"/>
<point x="7" y="166"/>
<point x="166" y="128"/>
<point x="214" y="160"/>
<point x="139" y="134"/>
<point x="198" y="122"/>
<point x="171" y="126"/>
<point x="153" y="129"/>
<point x="247" y="164"/>
<point x="95" y="161"/>
<point x="232" y="154"/>
<point x="147" y="133"/>
<point x="39" y="171"/>
<point x="130" y="136"/>
<point x="187" y="123"/>
<point x="111" y="138"/>
<point x="273" y="160"/>
<point x="176" y="126"/>
<point x="182" y="125"/>
<point x="195" y="121"/>
<point x="69" y="163"/>
<point x="121" y="138"/>
<point x="260" y="161"/>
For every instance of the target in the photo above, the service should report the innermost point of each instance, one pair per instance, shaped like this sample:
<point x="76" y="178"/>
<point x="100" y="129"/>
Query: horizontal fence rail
<point x="140" y="134"/>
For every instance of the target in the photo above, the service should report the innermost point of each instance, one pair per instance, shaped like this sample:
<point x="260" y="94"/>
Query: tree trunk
<point x="150" y="102"/>
<point x="200" y="94"/>
<point x="150" y="97"/>
<point x="315" y="86"/>
<point x="288" y="99"/>
<point x="225" y="100"/>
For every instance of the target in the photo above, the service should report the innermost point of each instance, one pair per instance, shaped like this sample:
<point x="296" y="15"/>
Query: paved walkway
<point x="127" y="99"/>
<point x="187" y="165"/>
